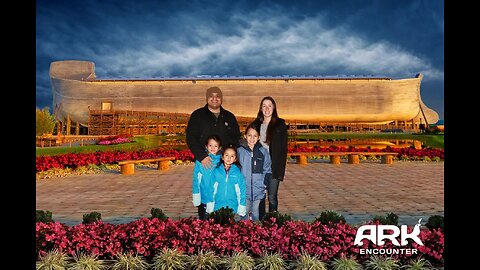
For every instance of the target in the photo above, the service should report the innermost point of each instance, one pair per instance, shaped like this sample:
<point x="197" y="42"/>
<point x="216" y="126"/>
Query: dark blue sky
<point x="148" y="39"/>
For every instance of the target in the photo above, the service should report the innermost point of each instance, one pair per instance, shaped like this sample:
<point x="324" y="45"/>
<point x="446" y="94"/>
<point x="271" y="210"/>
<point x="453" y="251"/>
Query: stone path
<point x="412" y="190"/>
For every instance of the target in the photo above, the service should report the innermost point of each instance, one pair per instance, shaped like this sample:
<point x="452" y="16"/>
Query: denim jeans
<point x="272" y="192"/>
<point x="252" y="207"/>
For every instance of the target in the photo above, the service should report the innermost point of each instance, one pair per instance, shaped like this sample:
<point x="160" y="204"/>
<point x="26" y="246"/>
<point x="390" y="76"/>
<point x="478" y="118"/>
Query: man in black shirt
<point x="212" y="119"/>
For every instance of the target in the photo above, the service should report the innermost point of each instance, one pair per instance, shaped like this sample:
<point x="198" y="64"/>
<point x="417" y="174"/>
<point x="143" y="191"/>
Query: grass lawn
<point x="154" y="141"/>
<point x="432" y="141"/>
<point x="140" y="142"/>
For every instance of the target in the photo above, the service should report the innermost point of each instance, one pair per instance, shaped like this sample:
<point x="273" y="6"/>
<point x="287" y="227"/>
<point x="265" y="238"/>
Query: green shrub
<point x="273" y="261"/>
<point x="279" y="218"/>
<point x="381" y="263"/>
<point x="389" y="219"/>
<point x="205" y="261"/>
<point x="310" y="262"/>
<point x="43" y="216"/>
<point x="418" y="264"/>
<point x="158" y="213"/>
<point x="222" y="216"/>
<point x="239" y="260"/>
<point x="129" y="262"/>
<point x="329" y="216"/>
<point x="170" y="259"/>
<point x="52" y="260"/>
<point x="344" y="263"/>
<point x="91" y="217"/>
<point x="86" y="262"/>
<point x="433" y="131"/>
<point x="435" y="222"/>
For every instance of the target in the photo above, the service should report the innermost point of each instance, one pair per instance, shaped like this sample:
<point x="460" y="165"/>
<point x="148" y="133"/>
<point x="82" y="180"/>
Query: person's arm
<point x="193" y="134"/>
<point x="267" y="167"/>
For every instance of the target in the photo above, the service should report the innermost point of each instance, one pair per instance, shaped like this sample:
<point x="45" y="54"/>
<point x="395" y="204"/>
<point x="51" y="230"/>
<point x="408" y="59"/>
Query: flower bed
<point x="190" y="235"/>
<point x="116" y="139"/>
<point x="75" y="160"/>
<point x="409" y="152"/>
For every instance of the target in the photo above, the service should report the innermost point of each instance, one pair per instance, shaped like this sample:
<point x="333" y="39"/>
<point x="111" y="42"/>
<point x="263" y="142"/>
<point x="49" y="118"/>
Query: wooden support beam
<point x="69" y="122"/>
<point x="59" y="128"/>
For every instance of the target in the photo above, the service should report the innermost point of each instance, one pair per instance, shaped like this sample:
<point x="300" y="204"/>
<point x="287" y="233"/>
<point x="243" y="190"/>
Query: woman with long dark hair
<point x="273" y="136"/>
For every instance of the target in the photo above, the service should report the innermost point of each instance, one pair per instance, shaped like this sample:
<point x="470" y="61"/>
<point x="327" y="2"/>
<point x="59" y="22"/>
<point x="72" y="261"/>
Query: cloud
<point x="279" y="45"/>
<point x="131" y="42"/>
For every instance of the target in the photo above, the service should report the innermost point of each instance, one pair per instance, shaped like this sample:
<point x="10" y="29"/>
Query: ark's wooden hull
<point x="353" y="100"/>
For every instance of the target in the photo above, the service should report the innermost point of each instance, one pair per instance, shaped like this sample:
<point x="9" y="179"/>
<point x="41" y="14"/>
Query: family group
<point x="235" y="171"/>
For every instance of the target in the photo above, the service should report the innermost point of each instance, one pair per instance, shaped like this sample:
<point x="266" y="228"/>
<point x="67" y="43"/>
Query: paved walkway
<point x="412" y="190"/>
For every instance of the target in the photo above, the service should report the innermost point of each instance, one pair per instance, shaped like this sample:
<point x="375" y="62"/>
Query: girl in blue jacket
<point x="256" y="169"/>
<point x="202" y="186"/>
<point x="228" y="184"/>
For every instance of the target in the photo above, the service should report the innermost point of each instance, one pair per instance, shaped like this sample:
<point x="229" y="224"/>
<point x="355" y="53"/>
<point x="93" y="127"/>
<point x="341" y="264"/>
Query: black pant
<point x="202" y="213"/>
<point x="261" y="209"/>
<point x="272" y="194"/>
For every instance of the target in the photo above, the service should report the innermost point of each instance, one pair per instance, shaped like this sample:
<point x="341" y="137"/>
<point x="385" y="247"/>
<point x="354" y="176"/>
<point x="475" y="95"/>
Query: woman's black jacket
<point x="278" y="148"/>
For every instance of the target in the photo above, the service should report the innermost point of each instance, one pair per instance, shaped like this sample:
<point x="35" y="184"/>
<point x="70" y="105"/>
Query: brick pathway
<point x="411" y="190"/>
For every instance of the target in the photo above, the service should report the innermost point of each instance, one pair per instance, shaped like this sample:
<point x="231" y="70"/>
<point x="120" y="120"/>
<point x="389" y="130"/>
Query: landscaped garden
<point x="104" y="156"/>
<point x="148" y="142"/>
<point x="277" y="242"/>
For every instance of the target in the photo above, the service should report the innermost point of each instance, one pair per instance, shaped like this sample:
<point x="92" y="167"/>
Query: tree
<point x="45" y="122"/>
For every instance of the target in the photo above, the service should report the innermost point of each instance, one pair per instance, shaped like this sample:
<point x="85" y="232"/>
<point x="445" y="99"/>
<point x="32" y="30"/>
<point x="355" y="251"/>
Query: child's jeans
<point x="252" y="210"/>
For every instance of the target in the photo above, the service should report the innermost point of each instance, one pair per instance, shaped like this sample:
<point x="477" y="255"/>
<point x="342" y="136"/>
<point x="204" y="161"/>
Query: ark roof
<point x="227" y="77"/>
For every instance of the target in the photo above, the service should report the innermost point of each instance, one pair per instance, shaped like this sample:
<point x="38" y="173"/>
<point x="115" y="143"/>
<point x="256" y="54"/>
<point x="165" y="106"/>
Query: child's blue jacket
<point x="202" y="184"/>
<point x="229" y="189"/>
